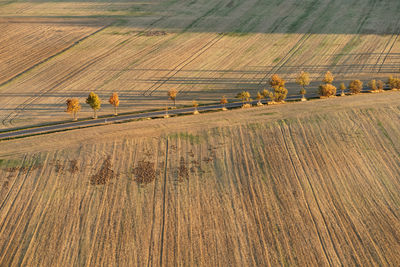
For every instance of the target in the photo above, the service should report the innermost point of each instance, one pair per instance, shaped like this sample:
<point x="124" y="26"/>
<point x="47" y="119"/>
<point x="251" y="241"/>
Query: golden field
<point x="306" y="184"/>
<point x="203" y="48"/>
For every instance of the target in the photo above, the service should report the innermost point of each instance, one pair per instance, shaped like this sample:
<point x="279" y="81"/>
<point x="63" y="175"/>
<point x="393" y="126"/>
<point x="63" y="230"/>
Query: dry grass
<point x="313" y="183"/>
<point x="203" y="50"/>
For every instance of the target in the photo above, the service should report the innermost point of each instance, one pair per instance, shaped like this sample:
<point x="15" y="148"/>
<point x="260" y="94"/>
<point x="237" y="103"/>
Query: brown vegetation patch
<point x="207" y="159"/>
<point x="183" y="172"/>
<point x="105" y="173"/>
<point x="73" y="166"/>
<point x="144" y="172"/>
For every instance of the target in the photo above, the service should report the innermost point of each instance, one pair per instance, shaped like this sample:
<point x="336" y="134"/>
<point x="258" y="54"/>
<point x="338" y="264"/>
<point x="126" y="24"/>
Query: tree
<point x="328" y="78"/>
<point x="394" y="83"/>
<point x="195" y="105"/>
<point x="94" y="102"/>
<point x="114" y="100"/>
<point x="278" y="85"/>
<point x="355" y="86"/>
<point x="372" y="86"/>
<point x="166" y="112"/>
<point x="342" y="87"/>
<point x="380" y="84"/>
<point x="303" y="80"/>
<point x="224" y="101"/>
<point x="259" y="97"/>
<point x="172" y="93"/>
<point x="276" y="81"/>
<point x="73" y="107"/>
<point x="327" y="90"/>
<point x="244" y="96"/>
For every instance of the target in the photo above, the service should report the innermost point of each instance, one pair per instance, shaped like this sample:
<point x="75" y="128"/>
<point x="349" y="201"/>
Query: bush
<point x="380" y="84"/>
<point x="394" y="83"/>
<point x="372" y="85"/>
<point x="327" y="90"/>
<point x="356" y="86"/>
<point x="279" y="94"/>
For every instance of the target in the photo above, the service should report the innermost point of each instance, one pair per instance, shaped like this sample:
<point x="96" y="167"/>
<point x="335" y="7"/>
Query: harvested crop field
<point x="313" y="183"/>
<point x="204" y="49"/>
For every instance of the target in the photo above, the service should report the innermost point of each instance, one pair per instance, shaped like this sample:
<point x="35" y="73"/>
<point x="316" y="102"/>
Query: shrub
<point x="327" y="90"/>
<point x="278" y="85"/>
<point x="380" y="84"/>
<point x="356" y="86"/>
<point x="394" y="83"/>
<point x="372" y="85"/>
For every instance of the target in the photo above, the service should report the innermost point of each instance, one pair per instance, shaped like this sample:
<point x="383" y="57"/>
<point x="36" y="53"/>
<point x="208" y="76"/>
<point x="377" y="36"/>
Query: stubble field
<point x="205" y="49"/>
<point x="304" y="184"/>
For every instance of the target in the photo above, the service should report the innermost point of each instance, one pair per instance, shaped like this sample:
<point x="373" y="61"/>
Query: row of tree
<point x="277" y="94"/>
<point x="326" y="88"/>
<point x="93" y="100"/>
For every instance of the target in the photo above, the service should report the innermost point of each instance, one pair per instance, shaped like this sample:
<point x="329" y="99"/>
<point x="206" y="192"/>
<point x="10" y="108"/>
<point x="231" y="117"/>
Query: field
<point x="203" y="48"/>
<point x="306" y="184"/>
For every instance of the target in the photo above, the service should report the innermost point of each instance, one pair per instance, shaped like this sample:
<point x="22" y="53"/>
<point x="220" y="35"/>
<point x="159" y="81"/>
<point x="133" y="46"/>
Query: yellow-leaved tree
<point x="278" y="85"/>
<point x="114" y="100"/>
<point x="342" y="87"/>
<point x="328" y="78"/>
<point x="244" y="96"/>
<point x="73" y="107"/>
<point x="94" y="102"/>
<point x="327" y="89"/>
<point x="195" y="105"/>
<point x="303" y="79"/>
<point x="172" y="94"/>
<point x="259" y="98"/>
<point x="223" y="101"/>
<point x="355" y="86"/>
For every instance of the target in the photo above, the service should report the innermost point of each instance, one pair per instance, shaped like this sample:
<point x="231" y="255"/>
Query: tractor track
<point x="20" y="108"/>
<point x="164" y="203"/>
<point x="301" y="186"/>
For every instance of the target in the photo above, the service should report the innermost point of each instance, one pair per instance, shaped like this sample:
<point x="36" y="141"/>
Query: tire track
<point x="23" y="259"/>
<point x="3" y="252"/>
<point x="151" y="247"/>
<point x="337" y="204"/>
<point x="253" y="196"/>
<point x="312" y="216"/>
<point x="285" y="59"/>
<point x="101" y="211"/>
<point x="20" y="108"/>
<point x="53" y="56"/>
<point x="164" y="204"/>
<point x="289" y="131"/>
<point x="181" y="65"/>
<point x="12" y="186"/>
